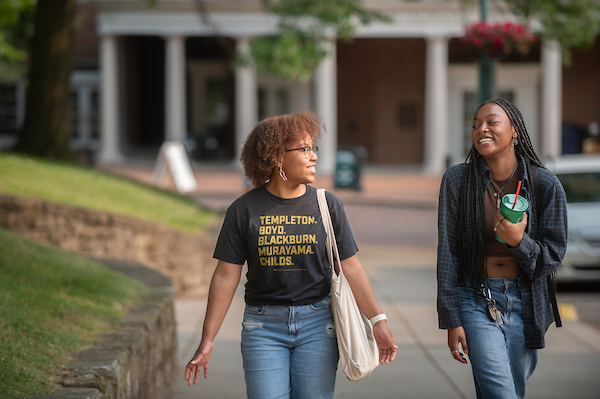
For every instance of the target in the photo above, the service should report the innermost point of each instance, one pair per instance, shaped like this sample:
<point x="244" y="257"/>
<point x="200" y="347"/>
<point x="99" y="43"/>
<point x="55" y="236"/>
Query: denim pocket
<point x="250" y="309"/>
<point x="249" y="323"/>
<point x="324" y="303"/>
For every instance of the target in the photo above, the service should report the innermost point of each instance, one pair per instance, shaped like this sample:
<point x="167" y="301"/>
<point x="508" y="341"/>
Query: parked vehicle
<point x="580" y="177"/>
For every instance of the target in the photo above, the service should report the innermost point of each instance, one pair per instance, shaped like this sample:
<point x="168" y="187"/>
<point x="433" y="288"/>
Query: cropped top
<point x="493" y="246"/>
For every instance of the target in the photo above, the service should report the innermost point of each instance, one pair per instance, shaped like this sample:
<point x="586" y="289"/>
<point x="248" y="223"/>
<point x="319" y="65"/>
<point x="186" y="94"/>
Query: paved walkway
<point x="404" y="280"/>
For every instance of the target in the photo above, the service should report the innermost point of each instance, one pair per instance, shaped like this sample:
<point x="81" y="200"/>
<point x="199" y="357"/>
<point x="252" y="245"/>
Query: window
<point x="262" y="103"/>
<point x="283" y="101"/>
<point x="74" y="114"/>
<point x="95" y="114"/>
<point x="581" y="187"/>
<point x="273" y="100"/>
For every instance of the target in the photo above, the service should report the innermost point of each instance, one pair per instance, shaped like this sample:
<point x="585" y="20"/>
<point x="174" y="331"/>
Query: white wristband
<point x="377" y="318"/>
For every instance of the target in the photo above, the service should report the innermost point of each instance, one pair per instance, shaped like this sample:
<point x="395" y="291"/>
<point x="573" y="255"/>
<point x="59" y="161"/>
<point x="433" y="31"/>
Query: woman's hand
<point x="456" y="335"/>
<point x="220" y="294"/>
<point x="385" y="341"/>
<point x="511" y="233"/>
<point x="199" y="360"/>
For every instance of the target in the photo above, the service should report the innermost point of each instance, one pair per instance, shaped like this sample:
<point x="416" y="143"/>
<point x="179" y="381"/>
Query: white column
<point x="326" y="107"/>
<point x="246" y="100"/>
<point x="110" y="150"/>
<point x="551" y="129"/>
<point x="436" y="106"/>
<point x="175" y="104"/>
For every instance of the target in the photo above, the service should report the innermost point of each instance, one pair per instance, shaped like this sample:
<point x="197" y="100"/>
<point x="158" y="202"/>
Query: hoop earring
<point x="282" y="173"/>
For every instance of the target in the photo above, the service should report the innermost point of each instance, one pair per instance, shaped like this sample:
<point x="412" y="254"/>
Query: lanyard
<point x="493" y="311"/>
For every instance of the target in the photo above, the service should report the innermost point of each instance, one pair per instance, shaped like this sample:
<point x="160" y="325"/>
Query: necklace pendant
<point x="497" y="202"/>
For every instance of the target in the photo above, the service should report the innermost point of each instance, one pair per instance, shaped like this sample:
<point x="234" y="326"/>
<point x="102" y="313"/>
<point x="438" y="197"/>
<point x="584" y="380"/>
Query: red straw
<point x="517" y="194"/>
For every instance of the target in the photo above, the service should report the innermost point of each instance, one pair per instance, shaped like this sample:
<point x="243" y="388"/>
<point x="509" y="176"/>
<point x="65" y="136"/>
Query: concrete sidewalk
<point x="405" y="283"/>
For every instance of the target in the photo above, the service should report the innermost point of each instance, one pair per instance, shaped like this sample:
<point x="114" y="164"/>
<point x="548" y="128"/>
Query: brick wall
<point x="381" y="97"/>
<point x="86" y="40"/>
<point x="581" y="87"/>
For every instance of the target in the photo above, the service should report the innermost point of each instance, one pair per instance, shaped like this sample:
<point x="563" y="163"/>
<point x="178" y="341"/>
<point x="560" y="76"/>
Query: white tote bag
<point x="359" y="354"/>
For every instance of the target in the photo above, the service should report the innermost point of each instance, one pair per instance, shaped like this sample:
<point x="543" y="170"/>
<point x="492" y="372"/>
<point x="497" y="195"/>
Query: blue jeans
<point x="500" y="361"/>
<point x="290" y="351"/>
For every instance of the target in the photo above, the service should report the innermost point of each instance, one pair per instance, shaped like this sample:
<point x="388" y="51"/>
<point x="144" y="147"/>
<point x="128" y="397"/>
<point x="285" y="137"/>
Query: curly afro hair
<point x="264" y="147"/>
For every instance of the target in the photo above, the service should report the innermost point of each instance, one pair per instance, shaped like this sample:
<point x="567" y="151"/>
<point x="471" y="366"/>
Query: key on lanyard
<point x="494" y="312"/>
<point x="492" y="309"/>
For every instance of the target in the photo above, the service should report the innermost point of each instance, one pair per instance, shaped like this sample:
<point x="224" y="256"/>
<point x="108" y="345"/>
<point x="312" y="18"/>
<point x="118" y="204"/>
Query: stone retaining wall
<point x="137" y="359"/>
<point x="185" y="258"/>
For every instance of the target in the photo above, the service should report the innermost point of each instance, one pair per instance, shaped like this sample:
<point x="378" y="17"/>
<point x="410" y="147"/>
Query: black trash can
<point x="348" y="168"/>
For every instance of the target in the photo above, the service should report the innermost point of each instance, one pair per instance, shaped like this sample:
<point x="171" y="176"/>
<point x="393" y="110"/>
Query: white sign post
<point x="172" y="157"/>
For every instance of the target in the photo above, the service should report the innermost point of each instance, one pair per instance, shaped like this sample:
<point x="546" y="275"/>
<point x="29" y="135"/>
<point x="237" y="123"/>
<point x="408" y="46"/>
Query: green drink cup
<point x="513" y="215"/>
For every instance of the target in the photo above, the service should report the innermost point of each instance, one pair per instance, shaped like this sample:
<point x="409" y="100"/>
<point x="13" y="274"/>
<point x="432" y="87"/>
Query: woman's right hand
<point x="456" y="335"/>
<point x="220" y="294"/>
<point x="199" y="360"/>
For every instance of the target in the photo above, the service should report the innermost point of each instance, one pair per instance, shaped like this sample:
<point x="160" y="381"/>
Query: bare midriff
<point x="502" y="267"/>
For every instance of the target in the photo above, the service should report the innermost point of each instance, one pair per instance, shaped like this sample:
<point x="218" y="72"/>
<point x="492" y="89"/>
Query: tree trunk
<point x="46" y="128"/>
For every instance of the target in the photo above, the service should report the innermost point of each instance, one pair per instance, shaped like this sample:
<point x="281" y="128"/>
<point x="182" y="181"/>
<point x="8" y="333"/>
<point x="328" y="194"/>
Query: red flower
<point x="499" y="38"/>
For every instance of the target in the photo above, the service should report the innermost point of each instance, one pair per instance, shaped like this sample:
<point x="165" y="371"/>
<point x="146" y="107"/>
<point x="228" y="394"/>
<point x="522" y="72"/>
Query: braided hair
<point x="472" y="220"/>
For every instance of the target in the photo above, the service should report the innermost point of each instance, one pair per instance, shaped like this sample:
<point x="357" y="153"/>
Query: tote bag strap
<point x="332" y="249"/>
<point x="359" y="353"/>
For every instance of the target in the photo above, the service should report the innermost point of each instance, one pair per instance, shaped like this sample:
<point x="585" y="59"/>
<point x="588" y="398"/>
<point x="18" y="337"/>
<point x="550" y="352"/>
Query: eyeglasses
<point x="306" y="150"/>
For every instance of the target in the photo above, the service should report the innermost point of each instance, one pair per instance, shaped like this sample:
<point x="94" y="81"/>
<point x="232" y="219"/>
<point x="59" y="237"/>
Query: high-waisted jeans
<point x="500" y="361"/>
<point x="290" y="351"/>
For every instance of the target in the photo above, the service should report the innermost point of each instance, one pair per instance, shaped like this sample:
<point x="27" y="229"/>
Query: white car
<point x="580" y="177"/>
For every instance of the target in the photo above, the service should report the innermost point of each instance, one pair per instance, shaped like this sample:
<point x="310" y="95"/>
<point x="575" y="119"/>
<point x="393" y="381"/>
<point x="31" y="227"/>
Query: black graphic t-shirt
<point x="283" y="241"/>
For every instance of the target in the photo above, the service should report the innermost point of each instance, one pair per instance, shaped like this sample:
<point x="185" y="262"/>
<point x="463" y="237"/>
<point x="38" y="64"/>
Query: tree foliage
<point x="303" y="25"/>
<point x="16" y="29"/>
<point x="574" y="24"/>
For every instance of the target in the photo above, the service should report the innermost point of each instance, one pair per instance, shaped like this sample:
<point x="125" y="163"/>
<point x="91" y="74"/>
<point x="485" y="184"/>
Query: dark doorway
<point x="152" y="90"/>
<point x="145" y="90"/>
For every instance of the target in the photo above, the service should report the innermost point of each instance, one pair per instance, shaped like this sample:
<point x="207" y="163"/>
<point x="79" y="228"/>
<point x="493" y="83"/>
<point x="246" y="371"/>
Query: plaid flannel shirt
<point x="539" y="254"/>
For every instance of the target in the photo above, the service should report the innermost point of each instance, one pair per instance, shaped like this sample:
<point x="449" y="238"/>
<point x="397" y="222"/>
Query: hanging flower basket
<point x="499" y="38"/>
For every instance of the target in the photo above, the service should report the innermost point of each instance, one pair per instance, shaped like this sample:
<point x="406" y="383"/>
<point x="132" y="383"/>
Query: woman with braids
<point x="477" y="274"/>
<point x="289" y="345"/>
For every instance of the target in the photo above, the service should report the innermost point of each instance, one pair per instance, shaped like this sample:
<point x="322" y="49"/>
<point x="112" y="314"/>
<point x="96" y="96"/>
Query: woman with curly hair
<point x="289" y="345"/>
<point x="493" y="297"/>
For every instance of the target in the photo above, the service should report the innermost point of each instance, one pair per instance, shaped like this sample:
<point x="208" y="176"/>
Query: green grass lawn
<point x="52" y="304"/>
<point x="87" y="188"/>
